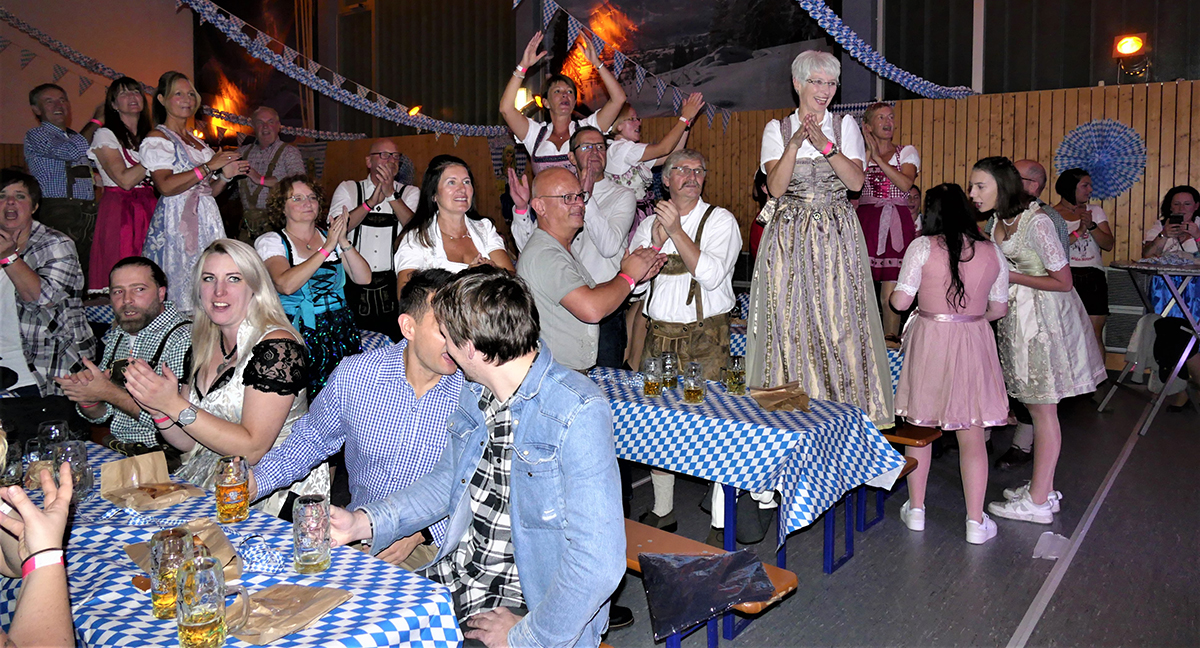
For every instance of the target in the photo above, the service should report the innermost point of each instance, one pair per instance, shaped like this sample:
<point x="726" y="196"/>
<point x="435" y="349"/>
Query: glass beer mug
<point x="670" y="369"/>
<point x="200" y="609"/>
<point x="693" y="383"/>
<point x="735" y="376"/>
<point x="169" y="549"/>
<point x="310" y="533"/>
<point x="652" y="377"/>
<point x="232" y="481"/>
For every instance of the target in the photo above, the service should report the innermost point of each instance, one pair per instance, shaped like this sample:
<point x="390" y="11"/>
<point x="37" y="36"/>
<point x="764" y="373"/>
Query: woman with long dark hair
<point x="1089" y="234"/>
<point x="951" y="377"/>
<point x="1046" y="345"/>
<point x="128" y="201"/>
<point x="446" y="232"/>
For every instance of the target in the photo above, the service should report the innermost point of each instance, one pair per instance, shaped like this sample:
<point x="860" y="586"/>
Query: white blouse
<point x="412" y="255"/>
<point x="852" y="141"/>
<point x="105" y="138"/>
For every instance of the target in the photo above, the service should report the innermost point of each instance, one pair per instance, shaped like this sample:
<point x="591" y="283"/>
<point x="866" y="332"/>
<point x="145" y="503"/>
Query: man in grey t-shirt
<point x="569" y="302"/>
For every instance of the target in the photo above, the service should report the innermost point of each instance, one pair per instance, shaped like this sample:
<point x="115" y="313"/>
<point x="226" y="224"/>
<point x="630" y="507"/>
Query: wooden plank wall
<point x="953" y="134"/>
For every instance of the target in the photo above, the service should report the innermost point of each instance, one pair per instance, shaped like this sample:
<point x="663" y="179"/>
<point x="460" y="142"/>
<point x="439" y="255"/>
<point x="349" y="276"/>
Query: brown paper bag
<point x="284" y="608"/>
<point x="142" y="483"/>
<point x="208" y="534"/>
<point x="784" y="398"/>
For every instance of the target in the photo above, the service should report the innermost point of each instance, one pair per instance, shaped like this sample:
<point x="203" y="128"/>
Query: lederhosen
<point x="705" y="340"/>
<point x="254" y="220"/>
<point x="75" y="217"/>
<point x="376" y="305"/>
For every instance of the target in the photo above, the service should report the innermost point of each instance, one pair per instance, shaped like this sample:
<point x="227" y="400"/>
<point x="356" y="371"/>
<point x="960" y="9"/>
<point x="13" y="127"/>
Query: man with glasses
<point x="690" y="299"/>
<point x="379" y="207"/>
<point x="270" y="159"/>
<point x="570" y="301"/>
<point x="608" y="216"/>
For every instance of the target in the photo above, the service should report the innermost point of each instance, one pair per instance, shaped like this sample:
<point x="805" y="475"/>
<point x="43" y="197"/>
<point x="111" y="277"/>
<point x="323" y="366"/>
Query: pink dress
<point x="951" y="377"/>
<point x="887" y="223"/>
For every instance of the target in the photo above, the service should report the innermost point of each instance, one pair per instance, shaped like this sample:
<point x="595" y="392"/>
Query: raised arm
<point x="616" y="94"/>
<point x="672" y="141"/>
<point x="508" y="110"/>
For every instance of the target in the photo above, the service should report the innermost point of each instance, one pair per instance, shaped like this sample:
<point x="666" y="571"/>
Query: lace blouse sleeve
<point x="1047" y="244"/>
<point x="999" y="290"/>
<point x="277" y="367"/>
<point x="910" y="269"/>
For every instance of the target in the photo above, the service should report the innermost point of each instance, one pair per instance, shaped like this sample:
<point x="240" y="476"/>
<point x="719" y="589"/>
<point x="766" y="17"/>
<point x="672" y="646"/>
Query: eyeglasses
<point x="588" y="148"/>
<point x="582" y="197"/>
<point x="1033" y="180"/>
<point x="827" y="84"/>
<point x="300" y="198"/>
<point x="697" y="172"/>
<point x="387" y="156"/>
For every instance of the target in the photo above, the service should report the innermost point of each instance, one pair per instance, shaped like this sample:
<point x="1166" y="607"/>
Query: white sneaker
<point x="1023" y="509"/>
<point x="913" y="518"/>
<point x="1054" y="497"/>
<point x="980" y="533"/>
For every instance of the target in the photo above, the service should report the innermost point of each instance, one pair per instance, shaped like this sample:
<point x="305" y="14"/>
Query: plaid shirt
<point x="54" y="333"/>
<point x="482" y="572"/>
<point x="391" y="437"/>
<point x="119" y="344"/>
<point x="290" y="163"/>
<point x="49" y="150"/>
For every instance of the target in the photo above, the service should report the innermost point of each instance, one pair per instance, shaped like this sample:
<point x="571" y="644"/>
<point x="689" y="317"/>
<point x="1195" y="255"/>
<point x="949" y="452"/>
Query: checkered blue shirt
<point x="49" y="150"/>
<point x="391" y="437"/>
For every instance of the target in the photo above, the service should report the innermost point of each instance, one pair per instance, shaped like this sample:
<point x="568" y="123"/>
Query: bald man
<point x="379" y="207"/>
<point x="1033" y="179"/>
<point x="270" y="159"/>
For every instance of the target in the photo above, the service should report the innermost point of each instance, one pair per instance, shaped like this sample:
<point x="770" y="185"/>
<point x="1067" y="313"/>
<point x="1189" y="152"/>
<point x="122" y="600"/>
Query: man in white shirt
<point x="379" y="207"/>
<point x="690" y="299"/>
<point x="608" y="215"/>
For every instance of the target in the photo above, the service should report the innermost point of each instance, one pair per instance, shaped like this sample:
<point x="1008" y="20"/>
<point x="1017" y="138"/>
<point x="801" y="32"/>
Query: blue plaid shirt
<point x="49" y="150"/>
<point x="391" y="437"/>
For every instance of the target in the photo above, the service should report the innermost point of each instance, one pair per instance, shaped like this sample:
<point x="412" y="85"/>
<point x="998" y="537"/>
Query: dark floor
<point x="1134" y="580"/>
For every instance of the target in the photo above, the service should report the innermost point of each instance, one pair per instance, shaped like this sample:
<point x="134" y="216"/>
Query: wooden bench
<point x="641" y="538"/>
<point x="913" y="436"/>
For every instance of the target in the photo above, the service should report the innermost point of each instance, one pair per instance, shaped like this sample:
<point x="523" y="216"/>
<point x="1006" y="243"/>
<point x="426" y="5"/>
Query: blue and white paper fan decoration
<point x="1111" y="152"/>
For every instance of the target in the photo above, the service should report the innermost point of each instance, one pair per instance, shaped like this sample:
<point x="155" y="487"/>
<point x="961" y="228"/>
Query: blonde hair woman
<point x="249" y="371"/>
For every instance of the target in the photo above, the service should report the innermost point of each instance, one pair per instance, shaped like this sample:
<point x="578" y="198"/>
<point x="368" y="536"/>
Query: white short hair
<point x="813" y="60"/>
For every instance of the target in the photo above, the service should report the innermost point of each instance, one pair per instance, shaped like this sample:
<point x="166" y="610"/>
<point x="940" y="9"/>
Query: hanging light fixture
<point x="1132" y="53"/>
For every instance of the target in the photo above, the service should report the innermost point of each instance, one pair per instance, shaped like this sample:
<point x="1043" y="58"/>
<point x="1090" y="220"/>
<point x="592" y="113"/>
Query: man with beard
<point x="147" y="327"/>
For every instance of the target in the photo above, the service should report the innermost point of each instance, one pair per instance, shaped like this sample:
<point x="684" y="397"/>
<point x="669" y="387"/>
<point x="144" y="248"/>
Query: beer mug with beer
<point x="169" y="549"/>
<point x="200" y="613"/>
<point x="693" y="383"/>
<point x="232" y="480"/>
<point x="310" y="532"/>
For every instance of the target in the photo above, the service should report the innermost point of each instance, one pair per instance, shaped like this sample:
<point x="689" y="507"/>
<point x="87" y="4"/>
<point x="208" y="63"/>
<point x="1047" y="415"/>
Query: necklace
<point x="1008" y="223"/>
<point x="227" y="355"/>
<point x="454" y="238"/>
<point x="307" y="242"/>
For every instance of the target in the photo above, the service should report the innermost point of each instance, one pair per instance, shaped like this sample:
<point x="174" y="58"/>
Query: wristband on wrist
<point x="626" y="277"/>
<point x="520" y="212"/>
<point x="160" y="421"/>
<point x="262" y="180"/>
<point x="366" y="206"/>
<point x="324" y="252"/>
<point x="85" y="405"/>
<point x="828" y="150"/>
<point x="96" y="122"/>
<point x="519" y="72"/>
<point x="656" y="248"/>
<point x="685" y="120"/>
<point x="9" y="260"/>
<point x="199" y="173"/>
<point x="43" y="558"/>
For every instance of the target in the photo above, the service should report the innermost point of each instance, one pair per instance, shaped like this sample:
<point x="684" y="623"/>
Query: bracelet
<point x="656" y="248"/>
<point x="96" y="122"/>
<point x="687" y="122"/>
<point x="520" y="212"/>
<point x="626" y="277"/>
<point x="207" y="170"/>
<point x="521" y="68"/>
<point x="160" y="421"/>
<point x="83" y="405"/>
<point x="9" y="260"/>
<point x="366" y="206"/>
<point x="262" y="180"/>
<point x="43" y="558"/>
<point x="519" y="73"/>
<point x="828" y="150"/>
<point x="199" y="174"/>
<point x="324" y="252"/>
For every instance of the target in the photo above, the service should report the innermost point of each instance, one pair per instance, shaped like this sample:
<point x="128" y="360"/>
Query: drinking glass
<point x="735" y="376"/>
<point x="13" y="467"/>
<point x="54" y="431"/>
<point x="169" y="549"/>
<point x="200" y="612"/>
<point x="693" y="383"/>
<point x="670" y="369"/>
<point x="75" y="454"/>
<point x="310" y="532"/>
<point x="39" y="458"/>
<point x="652" y="377"/>
<point x="232" y="480"/>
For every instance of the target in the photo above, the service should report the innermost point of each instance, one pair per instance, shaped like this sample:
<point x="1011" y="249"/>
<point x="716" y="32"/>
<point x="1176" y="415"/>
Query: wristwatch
<point x="187" y="416"/>
<point x="1092" y="226"/>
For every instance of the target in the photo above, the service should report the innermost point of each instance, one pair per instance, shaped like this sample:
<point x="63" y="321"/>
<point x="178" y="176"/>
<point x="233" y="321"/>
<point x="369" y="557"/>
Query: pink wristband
<point x="827" y="149"/>
<point x="44" y="558"/>
<point x="520" y="69"/>
<point x="160" y="421"/>
<point x="96" y="122"/>
<point x="324" y="252"/>
<point x="9" y="260"/>
<point x="199" y="174"/>
<point x="520" y="212"/>
<point x="366" y="206"/>
<point x="626" y="277"/>
<point x="656" y="248"/>
<point x="262" y="181"/>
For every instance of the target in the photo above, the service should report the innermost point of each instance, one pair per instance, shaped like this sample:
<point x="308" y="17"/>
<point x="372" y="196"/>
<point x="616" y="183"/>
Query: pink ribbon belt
<point x="889" y="222"/>
<point x="950" y="317"/>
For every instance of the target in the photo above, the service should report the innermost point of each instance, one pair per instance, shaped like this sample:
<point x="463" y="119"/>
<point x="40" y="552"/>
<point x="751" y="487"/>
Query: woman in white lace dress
<point x="188" y="174"/>
<point x="1046" y="345"/>
<point x="247" y="382"/>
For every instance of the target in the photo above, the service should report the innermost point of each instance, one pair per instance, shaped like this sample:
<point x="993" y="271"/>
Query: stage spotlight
<point x="1130" y="45"/>
<point x="412" y="112"/>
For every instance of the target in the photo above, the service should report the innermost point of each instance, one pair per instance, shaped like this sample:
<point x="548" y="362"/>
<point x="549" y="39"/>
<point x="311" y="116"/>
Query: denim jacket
<point x="567" y="527"/>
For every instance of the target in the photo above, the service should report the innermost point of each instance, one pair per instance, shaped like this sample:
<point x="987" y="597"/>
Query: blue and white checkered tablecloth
<point x="811" y="458"/>
<point x="737" y="346"/>
<point x="391" y="607"/>
<point x="103" y="314"/>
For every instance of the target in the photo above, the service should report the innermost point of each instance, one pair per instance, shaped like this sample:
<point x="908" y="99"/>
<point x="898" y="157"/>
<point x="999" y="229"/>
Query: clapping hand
<point x="337" y="231"/>
<point x="666" y="214"/>
<point x="811" y="127"/>
<point x="90" y="385"/>
<point x="518" y="188"/>
<point x="150" y="390"/>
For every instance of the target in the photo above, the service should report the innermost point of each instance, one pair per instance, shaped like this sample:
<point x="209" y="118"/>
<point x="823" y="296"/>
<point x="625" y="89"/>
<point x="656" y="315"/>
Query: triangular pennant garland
<point x="338" y="80"/>
<point x="515" y="3"/>
<point x="84" y="84"/>
<point x="262" y="39"/>
<point x="314" y="67"/>
<point x="725" y="119"/>
<point x="362" y="92"/>
<point x="598" y="43"/>
<point x="26" y="58"/>
<point x="573" y="29"/>
<point x="618" y="62"/>
<point x="676" y="98"/>
<point x="639" y="77"/>
<point x="381" y="100"/>
<point x="549" y="8"/>
<point x="289" y="54"/>
<point x="456" y="136"/>
<point x="660" y="87"/>
<point x="241" y="137"/>
<point x="59" y="71"/>
<point x="710" y="111"/>
<point x="4" y="43"/>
